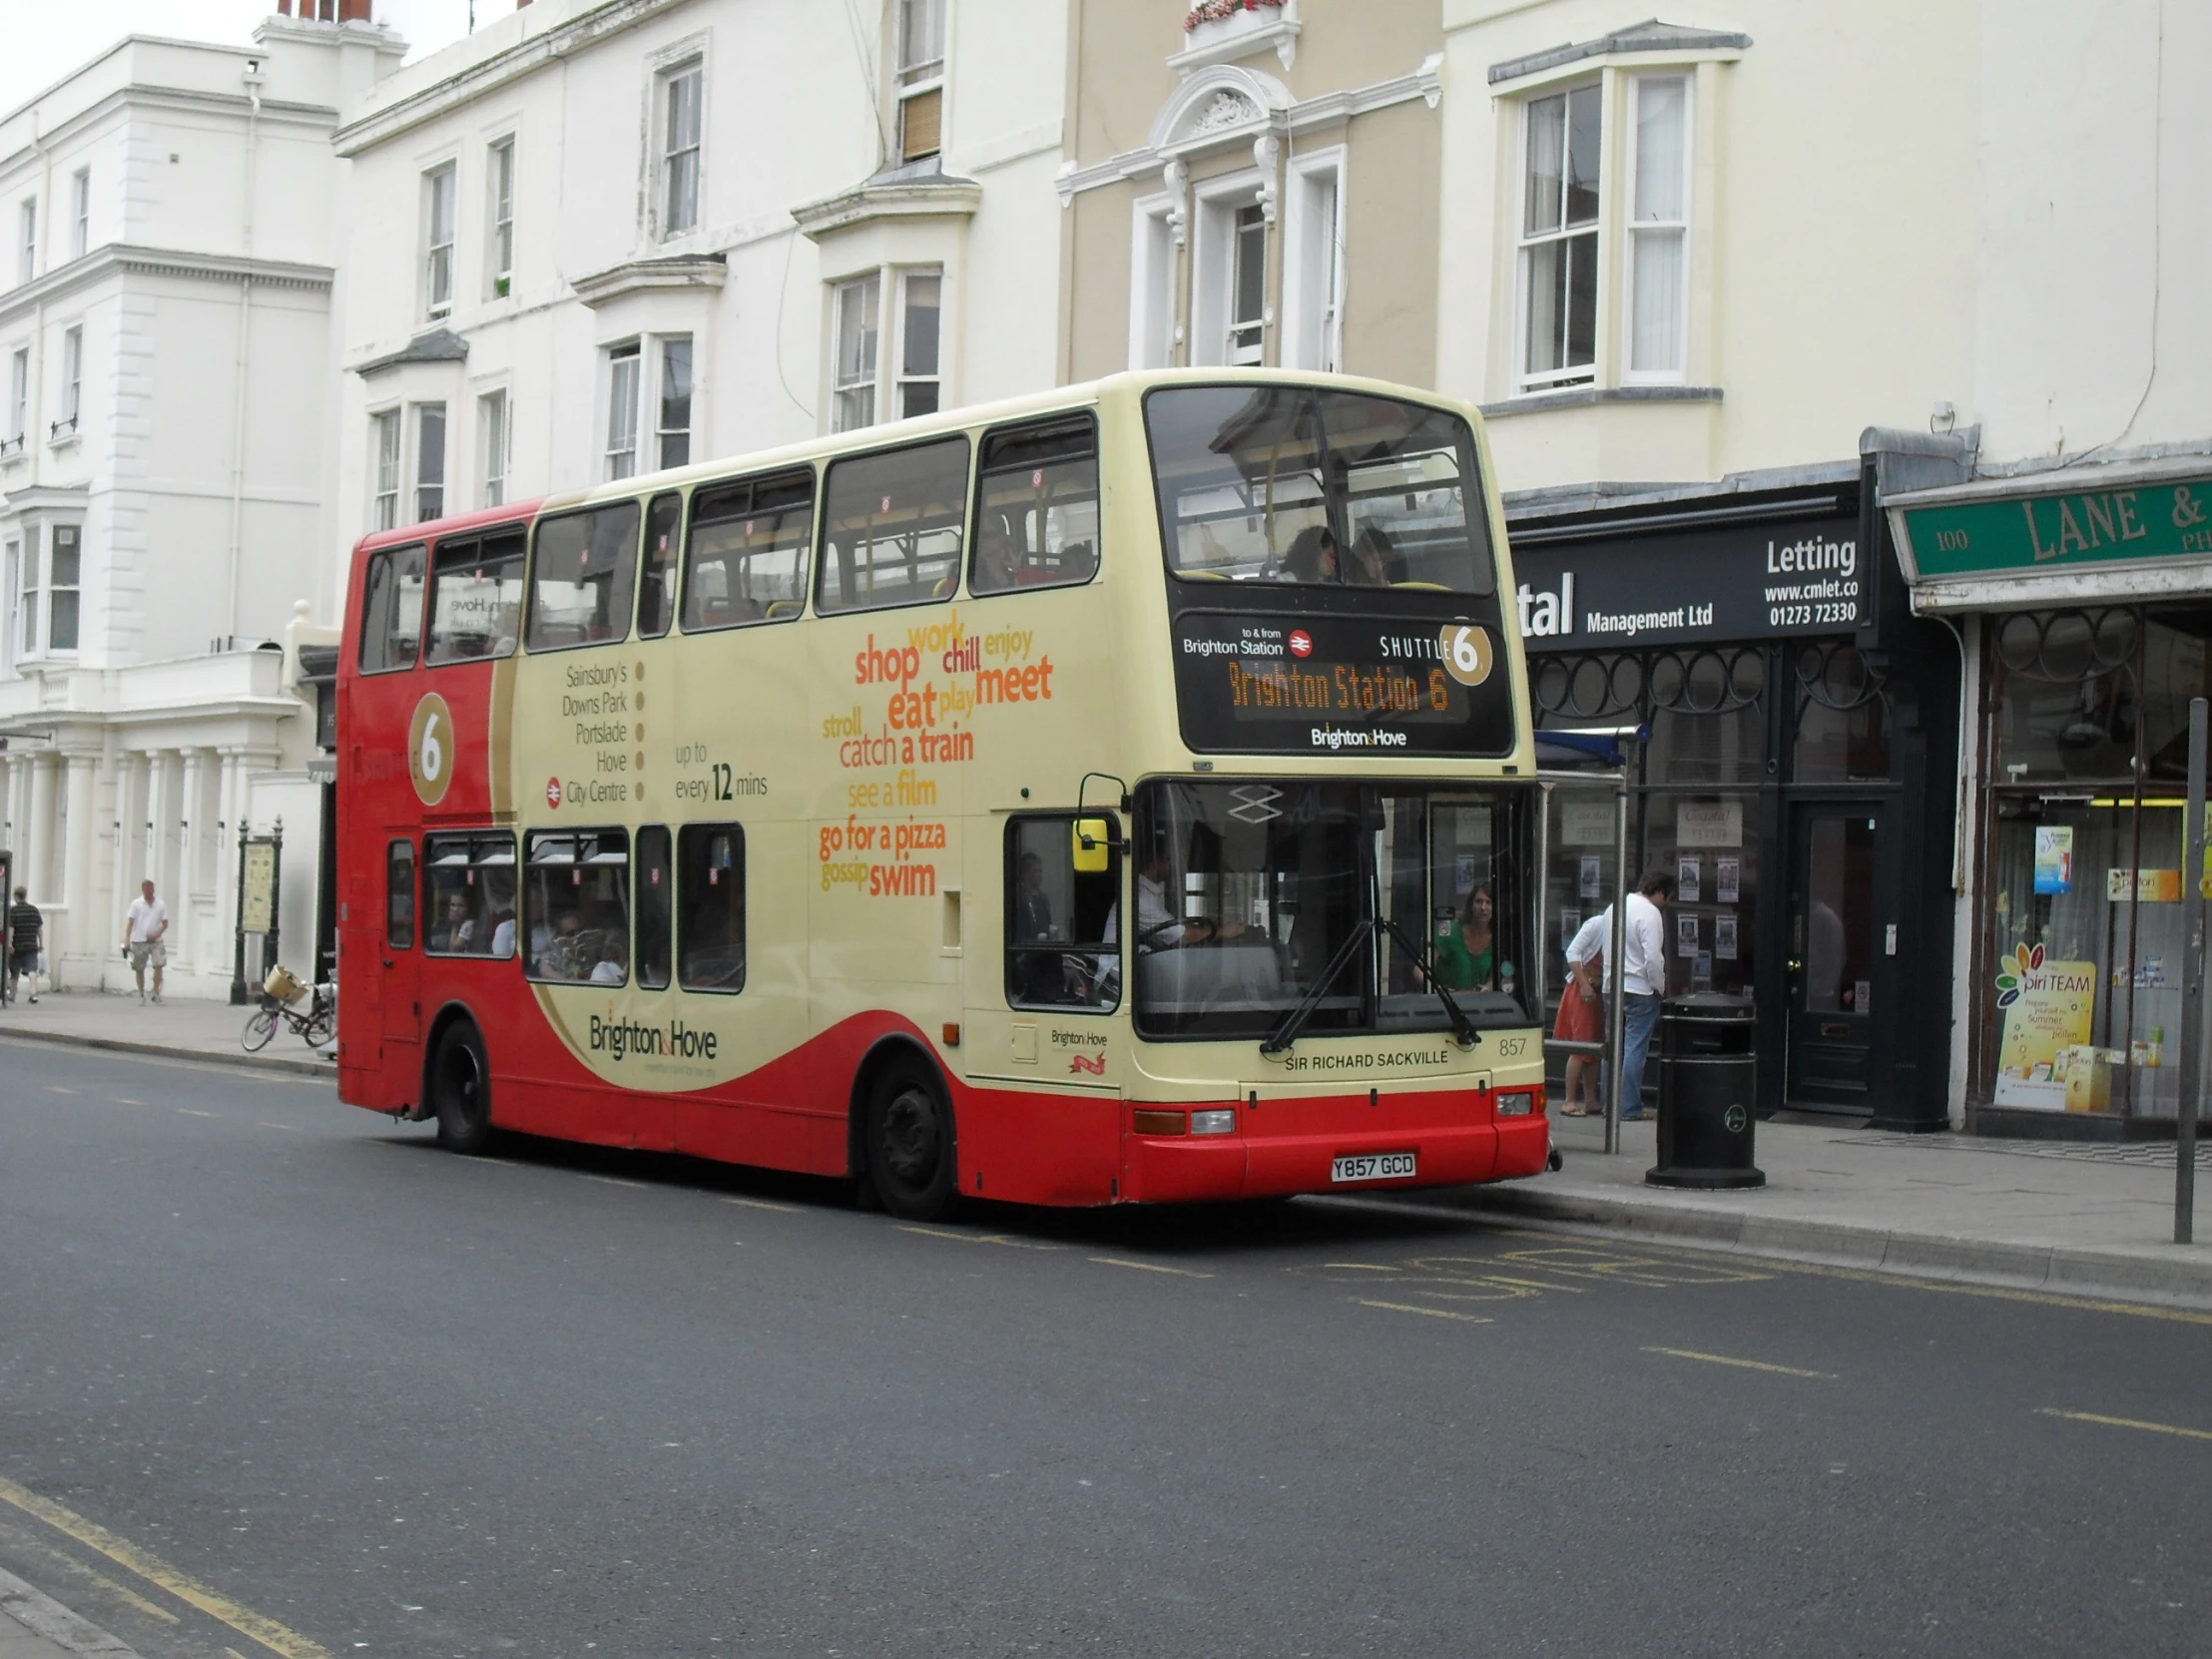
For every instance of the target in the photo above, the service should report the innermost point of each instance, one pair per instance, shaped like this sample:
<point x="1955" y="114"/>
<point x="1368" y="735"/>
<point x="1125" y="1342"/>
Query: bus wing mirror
<point x="1095" y="845"/>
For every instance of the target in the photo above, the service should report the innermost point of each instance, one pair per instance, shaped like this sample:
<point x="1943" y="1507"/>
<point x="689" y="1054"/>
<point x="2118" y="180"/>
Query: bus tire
<point x="912" y="1150"/>
<point x="460" y="1089"/>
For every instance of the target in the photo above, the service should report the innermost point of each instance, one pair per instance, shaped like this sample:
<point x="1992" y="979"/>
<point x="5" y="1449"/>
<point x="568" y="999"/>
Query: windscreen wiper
<point x="1287" y="1030"/>
<point x="1460" y="1023"/>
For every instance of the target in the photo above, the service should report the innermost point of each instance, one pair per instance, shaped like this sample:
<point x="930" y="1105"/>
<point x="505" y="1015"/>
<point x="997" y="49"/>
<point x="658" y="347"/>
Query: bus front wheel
<point x="460" y="1090"/>
<point x="912" y="1156"/>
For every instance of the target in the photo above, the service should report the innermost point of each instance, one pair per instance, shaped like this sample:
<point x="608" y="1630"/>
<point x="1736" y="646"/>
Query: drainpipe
<point x="236" y="554"/>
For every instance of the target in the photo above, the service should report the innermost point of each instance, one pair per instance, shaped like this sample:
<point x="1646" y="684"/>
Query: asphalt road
<point x="277" y="1376"/>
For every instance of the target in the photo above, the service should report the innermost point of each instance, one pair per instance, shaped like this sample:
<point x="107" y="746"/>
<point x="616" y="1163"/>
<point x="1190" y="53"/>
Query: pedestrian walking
<point x="142" y="928"/>
<point x="1643" y="981"/>
<point x="26" y="935"/>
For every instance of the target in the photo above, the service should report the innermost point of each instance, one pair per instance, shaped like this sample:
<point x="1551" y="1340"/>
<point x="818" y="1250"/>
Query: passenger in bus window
<point x="455" y="930"/>
<point x="1313" y="556"/>
<point x="613" y="966"/>
<point x="997" y="560"/>
<point x="557" y="956"/>
<point x="502" y="919"/>
<point x="1374" y="562"/>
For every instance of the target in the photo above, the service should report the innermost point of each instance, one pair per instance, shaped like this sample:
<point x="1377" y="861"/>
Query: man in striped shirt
<point x="25" y="926"/>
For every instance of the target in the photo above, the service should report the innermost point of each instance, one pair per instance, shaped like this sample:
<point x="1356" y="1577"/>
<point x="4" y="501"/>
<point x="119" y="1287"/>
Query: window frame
<point x="396" y="888"/>
<point x="80" y="200"/>
<point x="499" y="186"/>
<point x="664" y="372"/>
<point x="473" y="545"/>
<point x="26" y="240"/>
<point x="73" y="384"/>
<point x="753" y="484"/>
<point x="684" y="836"/>
<point x="902" y="375"/>
<point x="640" y="861"/>
<point x="56" y="588"/>
<point x="1302" y="335"/>
<point x="525" y="888"/>
<point x="867" y="381"/>
<point x="387" y="462"/>
<point x="19" y="400"/>
<point x="379" y="556"/>
<point x="1112" y="981"/>
<point x="670" y="154"/>
<point x="30" y="585"/>
<point x="421" y="419"/>
<point x="671" y="574"/>
<point x="976" y="473"/>
<point x="472" y="842"/>
<point x="914" y="80"/>
<point x="623" y="354"/>
<point x="1528" y="383"/>
<point x="440" y="189"/>
<point x="626" y="612"/>
<point x="1633" y="228"/>
<point x="1216" y="204"/>
<point x="960" y="523"/>
<point x="494" y="445"/>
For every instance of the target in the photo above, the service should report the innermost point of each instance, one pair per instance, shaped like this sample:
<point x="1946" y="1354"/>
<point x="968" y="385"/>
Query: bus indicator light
<point x="1302" y="643"/>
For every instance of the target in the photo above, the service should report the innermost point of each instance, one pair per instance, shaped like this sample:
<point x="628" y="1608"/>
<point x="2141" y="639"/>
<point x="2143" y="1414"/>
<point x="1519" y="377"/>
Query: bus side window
<point x="581" y="581"/>
<point x="468" y="894"/>
<point x="746" y="557"/>
<point x="892" y="527"/>
<point x="657" y="586"/>
<point x="576" y="906"/>
<point x="475" y="598"/>
<point x="653" y="906"/>
<point x="710" y="931"/>
<point x="391" y="609"/>
<point x="1036" y="510"/>
<point x="400" y="906"/>
<point x="1061" y="922"/>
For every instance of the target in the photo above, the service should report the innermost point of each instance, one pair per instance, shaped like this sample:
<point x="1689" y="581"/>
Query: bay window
<point x="873" y="378"/>
<point x="853" y="374"/>
<point x="1658" y="226"/>
<point x="429" y="423"/>
<point x="1559" y="238"/>
<point x="385" y="444"/>
<point x="493" y="445"/>
<point x="622" y="412"/>
<point x="674" y="432"/>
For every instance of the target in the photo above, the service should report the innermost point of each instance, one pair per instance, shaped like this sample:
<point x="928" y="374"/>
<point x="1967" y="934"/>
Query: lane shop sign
<point x="2049" y="533"/>
<point x="1694" y="587"/>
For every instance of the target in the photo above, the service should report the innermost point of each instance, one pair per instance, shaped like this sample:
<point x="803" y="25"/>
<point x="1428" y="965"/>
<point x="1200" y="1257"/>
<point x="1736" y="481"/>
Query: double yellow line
<point x="254" y="1626"/>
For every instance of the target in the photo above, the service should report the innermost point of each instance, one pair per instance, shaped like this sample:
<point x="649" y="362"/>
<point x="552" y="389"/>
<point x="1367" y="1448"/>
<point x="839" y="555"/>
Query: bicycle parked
<point x="282" y="996"/>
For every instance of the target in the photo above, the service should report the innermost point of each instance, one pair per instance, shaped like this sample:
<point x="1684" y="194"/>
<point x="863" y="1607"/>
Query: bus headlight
<point x="1222" y="1121"/>
<point x="1520" y="1103"/>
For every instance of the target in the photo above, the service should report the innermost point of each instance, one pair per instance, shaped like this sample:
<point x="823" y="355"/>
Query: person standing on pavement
<point x="25" y="928"/>
<point x="1643" y="981"/>
<point x="142" y="928"/>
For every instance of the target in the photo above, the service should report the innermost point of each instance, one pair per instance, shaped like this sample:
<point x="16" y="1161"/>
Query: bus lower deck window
<point x="575" y="907"/>
<point x="709" y="930"/>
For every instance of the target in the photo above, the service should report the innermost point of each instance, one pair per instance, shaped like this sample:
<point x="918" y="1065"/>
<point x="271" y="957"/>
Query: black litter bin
<point x="1707" y="1073"/>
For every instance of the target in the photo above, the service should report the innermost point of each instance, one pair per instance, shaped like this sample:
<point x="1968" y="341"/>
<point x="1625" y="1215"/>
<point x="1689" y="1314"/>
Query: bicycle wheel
<point x="321" y="1027"/>
<point x="259" y="1027"/>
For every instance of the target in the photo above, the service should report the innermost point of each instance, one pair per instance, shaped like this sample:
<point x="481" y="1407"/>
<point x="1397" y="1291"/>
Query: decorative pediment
<point x="1216" y="105"/>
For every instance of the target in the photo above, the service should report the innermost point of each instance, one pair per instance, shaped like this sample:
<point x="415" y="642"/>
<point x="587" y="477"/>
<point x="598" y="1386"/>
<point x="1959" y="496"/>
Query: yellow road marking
<point x="762" y="1204"/>
<point x="974" y="1238"/>
<point x="248" y="1623"/>
<point x="2125" y="1423"/>
<point x="1148" y="1267"/>
<point x="128" y="1594"/>
<point x="190" y="1112"/>
<point x="1433" y="1313"/>
<point x="1743" y="1365"/>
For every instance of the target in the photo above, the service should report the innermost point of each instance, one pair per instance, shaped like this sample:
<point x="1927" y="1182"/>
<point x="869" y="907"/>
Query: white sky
<point x="46" y="39"/>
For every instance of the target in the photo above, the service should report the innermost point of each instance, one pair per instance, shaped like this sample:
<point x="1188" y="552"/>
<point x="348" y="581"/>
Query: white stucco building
<point x="600" y="236"/>
<point x="165" y="351"/>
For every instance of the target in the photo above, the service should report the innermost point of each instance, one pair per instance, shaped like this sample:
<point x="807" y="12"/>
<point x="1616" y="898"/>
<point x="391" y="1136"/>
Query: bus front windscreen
<point x="1253" y="898"/>
<point x="1318" y="488"/>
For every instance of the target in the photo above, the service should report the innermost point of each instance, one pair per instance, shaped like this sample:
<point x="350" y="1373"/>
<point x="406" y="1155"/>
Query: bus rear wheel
<point x="460" y="1089"/>
<point x="912" y="1154"/>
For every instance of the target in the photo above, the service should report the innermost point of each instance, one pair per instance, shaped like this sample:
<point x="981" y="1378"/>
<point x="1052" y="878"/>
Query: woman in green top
<point x="1466" y="949"/>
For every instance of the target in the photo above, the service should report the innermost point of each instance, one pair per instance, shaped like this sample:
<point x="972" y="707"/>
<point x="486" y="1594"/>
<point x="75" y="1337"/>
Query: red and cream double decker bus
<point x="1120" y="795"/>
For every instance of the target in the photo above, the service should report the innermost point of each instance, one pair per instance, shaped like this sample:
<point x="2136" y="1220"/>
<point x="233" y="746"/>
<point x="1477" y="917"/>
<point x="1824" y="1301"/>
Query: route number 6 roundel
<point x="430" y="756"/>
<point x="1467" y="654"/>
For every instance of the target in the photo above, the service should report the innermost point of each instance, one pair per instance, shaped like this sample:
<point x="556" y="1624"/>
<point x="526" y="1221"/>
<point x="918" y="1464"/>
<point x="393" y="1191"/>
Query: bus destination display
<point x="1341" y="685"/>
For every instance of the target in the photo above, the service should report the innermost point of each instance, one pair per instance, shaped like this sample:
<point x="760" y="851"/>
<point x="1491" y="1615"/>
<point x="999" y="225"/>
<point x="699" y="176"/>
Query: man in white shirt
<point x="1644" y="981"/>
<point x="1157" y="926"/>
<point x="142" y="928"/>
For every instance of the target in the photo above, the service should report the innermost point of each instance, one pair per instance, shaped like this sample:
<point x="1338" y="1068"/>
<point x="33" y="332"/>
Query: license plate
<point x="1373" y="1166"/>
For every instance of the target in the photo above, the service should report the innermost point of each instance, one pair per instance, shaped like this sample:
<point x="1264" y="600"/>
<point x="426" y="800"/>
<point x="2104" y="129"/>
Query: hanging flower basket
<point x="1238" y="14"/>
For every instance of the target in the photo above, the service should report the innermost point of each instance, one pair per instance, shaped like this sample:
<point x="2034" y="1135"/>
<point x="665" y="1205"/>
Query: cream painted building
<point x="164" y="300"/>
<point x="600" y="236"/>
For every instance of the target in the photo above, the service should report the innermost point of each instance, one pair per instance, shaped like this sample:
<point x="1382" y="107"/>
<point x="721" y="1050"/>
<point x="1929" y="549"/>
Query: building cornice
<point x="1648" y="39"/>
<point x="127" y="260"/>
<point x="171" y="100"/>
<point x="47" y="498"/>
<point x="680" y="272"/>
<point x="932" y="195"/>
<point x="466" y="85"/>
<point x="1218" y="108"/>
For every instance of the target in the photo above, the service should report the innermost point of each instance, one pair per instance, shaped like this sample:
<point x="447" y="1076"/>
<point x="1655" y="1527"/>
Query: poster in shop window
<point x="1724" y="938"/>
<point x="1725" y="880"/>
<point x="2046" y="1006"/>
<point x="1687" y="882"/>
<point x="1686" y="936"/>
<point x="2055" y="857"/>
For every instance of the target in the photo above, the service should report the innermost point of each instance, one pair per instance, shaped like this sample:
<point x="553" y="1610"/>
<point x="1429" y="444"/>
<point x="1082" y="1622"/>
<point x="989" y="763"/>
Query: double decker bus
<point x="1121" y="795"/>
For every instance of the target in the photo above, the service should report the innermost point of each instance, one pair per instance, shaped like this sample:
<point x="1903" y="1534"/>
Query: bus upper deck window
<point x="746" y="557"/>
<point x="892" y="527"/>
<point x="475" y="596"/>
<point x="580" y="587"/>
<point x="657" y="586"/>
<point x="1320" y="488"/>
<point x="1036" y="511"/>
<point x="391" y="609"/>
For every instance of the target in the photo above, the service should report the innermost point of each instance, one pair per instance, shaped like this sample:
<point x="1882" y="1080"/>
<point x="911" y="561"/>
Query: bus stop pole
<point x="1614" y="973"/>
<point x="2192" y="983"/>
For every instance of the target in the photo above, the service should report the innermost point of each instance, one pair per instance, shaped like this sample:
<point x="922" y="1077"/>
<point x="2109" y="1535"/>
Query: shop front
<point x="2087" y="618"/>
<point x="1797" y="733"/>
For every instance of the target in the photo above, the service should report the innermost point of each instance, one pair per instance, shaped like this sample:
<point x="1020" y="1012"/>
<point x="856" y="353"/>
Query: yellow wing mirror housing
<point x="1094" y="844"/>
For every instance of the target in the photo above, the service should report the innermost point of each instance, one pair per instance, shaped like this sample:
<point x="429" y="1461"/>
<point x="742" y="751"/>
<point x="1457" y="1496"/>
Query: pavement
<point x="33" y="1625"/>
<point x="2087" y="1219"/>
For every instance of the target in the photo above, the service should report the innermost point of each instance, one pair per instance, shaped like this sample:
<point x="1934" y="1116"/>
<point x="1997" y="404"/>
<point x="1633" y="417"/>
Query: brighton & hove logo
<point x="1095" y="1064"/>
<point x="1302" y="643"/>
<point x="430" y="754"/>
<point x="553" y="791"/>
